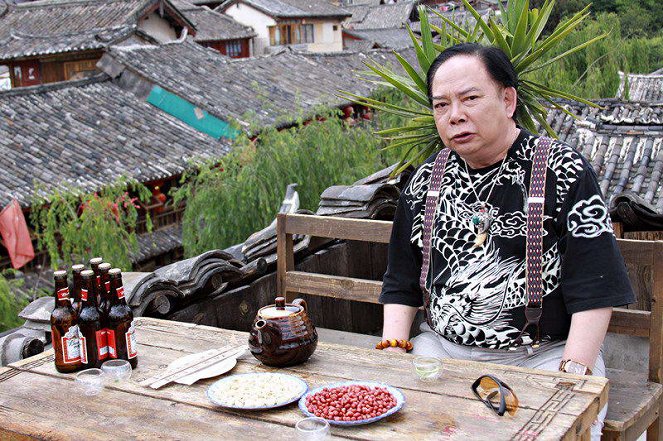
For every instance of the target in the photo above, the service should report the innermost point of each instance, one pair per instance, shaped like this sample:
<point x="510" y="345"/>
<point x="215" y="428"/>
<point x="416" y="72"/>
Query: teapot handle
<point x="300" y="302"/>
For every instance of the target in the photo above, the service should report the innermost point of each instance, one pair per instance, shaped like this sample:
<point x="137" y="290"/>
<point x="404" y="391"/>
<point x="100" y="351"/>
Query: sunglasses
<point x="495" y="394"/>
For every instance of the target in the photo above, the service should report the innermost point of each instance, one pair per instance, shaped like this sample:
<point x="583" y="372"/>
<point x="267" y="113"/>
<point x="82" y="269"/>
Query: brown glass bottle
<point x="104" y="293"/>
<point x="94" y="266"/>
<point x="93" y="337"/>
<point x="121" y="335"/>
<point x="75" y="289"/>
<point x="64" y="328"/>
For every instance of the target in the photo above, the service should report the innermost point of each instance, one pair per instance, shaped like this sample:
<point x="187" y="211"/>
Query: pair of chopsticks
<point x="210" y="359"/>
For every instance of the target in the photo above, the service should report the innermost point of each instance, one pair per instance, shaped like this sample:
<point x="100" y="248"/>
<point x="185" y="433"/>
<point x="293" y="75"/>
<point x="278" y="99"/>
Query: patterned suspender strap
<point x="432" y="196"/>
<point x="534" y="245"/>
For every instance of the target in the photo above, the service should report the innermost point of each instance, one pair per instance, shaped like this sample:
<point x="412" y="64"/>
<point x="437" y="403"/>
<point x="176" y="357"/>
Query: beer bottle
<point x="76" y="287"/>
<point x="104" y="293"/>
<point x="94" y="266"/>
<point x="121" y="335"/>
<point x="93" y="338"/>
<point x="64" y="328"/>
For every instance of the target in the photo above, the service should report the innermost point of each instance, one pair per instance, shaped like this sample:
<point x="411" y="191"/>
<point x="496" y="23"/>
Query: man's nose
<point x="457" y="113"/>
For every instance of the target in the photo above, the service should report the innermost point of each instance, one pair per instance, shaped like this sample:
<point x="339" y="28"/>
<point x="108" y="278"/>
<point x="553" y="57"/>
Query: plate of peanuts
<point x="352" y="403"/>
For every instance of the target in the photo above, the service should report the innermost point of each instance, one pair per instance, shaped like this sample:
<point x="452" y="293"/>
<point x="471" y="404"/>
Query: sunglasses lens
<point x="489" y="390"/>
<point x="511" y="402"/>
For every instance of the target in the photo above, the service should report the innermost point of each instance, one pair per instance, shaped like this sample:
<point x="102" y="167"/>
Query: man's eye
<point x="440" y="105"/>
<point x="472" y="97"/>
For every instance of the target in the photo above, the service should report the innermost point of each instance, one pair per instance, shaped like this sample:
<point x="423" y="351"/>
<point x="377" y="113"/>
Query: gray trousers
<point x="547" y="357"/>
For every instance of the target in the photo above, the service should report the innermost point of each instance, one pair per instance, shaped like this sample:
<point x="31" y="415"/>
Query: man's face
<point x="472" y="112"/>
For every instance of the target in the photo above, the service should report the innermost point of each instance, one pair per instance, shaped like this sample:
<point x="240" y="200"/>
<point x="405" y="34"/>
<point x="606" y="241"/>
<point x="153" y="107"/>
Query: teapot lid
<point x="279" y="309"/>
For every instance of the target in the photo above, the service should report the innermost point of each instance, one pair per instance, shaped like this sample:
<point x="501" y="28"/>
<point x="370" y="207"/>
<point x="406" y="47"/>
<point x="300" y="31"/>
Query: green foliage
<point x="74" y="227"/>
<point x="10" y="303"/>
<point x="592" y="73"/>
<point x="230" y="199"/>
<point x="519" y="34"/>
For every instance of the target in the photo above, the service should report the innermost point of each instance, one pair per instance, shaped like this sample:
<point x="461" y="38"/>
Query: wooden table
<point x="38" y="402"/>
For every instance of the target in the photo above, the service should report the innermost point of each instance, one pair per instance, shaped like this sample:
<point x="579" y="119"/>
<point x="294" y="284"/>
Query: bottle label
<point x="132" y="347"/>
<point x="120" y="292"/>
<point x="71" y="346"/>
<point x="107" y="285"/>
<point x="83" y="341"/>
<point x="102" y="344"/>
<point x="98" y="281"/>
<point x="112" y="348"/>
<point x="84" y="294"/>
<point x="63" y="293"/>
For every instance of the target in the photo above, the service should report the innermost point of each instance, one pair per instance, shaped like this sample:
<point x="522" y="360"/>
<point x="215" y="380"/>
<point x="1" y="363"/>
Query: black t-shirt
<point x="478" y="294"/>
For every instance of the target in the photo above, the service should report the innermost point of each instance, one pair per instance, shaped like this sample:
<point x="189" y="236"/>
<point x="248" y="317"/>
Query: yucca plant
<point x="518" y="33"/>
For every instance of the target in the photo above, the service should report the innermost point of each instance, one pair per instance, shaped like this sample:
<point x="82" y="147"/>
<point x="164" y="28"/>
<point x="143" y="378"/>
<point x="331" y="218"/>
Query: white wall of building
<point x="326" y="38"/>
<point x="260" y="23"/>
<point x="158" y="28"/>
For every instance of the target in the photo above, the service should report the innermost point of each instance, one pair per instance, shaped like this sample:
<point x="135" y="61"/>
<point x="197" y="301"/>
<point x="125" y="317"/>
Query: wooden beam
<point x="285" y="255"/>
<point x="346" y="288"/>
<point x="630" y="321"/>
<point x="339" y="228"/>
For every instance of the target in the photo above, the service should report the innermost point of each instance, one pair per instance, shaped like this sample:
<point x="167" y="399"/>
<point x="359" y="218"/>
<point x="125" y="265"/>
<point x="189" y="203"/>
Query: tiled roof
<point x="266" y="90"/>
<point x="294" y="8"/>
<point x="50" y="26"/>
<point x="161" y="241"/>
<point x="642" y="87"/>
<point x="624" y="143"/>
<point x="384" y="38"/>
<point x="87" y="134"/>
<point x="394" y="15"/>
<point x="460" y="17"/>
<point x="211" y="25"/>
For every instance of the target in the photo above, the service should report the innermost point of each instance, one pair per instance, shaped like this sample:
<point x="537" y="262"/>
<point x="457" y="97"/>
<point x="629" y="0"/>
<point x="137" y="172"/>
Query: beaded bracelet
<point x="393" y="343"/>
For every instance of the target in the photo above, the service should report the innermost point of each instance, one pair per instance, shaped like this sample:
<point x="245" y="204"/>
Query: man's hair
<point x="497" y="64"/>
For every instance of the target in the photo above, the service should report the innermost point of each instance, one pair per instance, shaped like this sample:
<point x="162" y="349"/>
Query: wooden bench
<point x="635" y="398"/>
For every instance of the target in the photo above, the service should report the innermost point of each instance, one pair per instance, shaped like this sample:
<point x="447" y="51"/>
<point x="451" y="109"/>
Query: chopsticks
<point x="210" y="359"/>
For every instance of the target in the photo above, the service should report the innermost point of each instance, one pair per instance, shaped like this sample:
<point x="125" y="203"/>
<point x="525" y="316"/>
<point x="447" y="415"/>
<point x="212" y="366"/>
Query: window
<point x="234" y="48"/>
<point x="307" y="33"/>
<point x="335" y="27"/>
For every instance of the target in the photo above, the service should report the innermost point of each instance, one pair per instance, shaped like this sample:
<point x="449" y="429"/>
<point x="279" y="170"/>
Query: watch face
<point x="575" y="368"/>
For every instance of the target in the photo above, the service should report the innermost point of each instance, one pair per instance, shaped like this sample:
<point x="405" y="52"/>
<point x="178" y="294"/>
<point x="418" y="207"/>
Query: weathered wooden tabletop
<point x="37" y="401"/>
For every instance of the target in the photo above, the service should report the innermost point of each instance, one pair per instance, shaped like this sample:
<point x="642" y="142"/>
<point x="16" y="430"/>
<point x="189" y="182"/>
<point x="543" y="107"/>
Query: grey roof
<point x="266" y="90"/>
<point x="215" y="26"/>
<point x="642" y="87"/>
<point x="459" y="16"/>
<point x="394" y="15"/>
<point x="624" y="143"/>
<point x="293" y="8"/>
<point x="383" y="38"/>
<point x="51" y="26"/>
<point x="87" y="134"/>
<point x="161" y="241"/>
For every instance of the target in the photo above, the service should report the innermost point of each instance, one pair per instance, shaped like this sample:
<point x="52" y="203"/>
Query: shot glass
<point x="116" y="370"/>
<point x="427" y="368"/>
<point x="312" y="429"/>
<point x="90" y="381"/>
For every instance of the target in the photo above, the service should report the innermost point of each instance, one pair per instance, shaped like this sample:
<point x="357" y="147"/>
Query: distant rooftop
<point x="293" y="8"/>
<point x="642" y="87"/>
<point x="88" y="133"/>
<point x="52" y="26"/>
<point x="212" y="25"/>
<point x="394" y="15"/>
<point x="267" y="90"/>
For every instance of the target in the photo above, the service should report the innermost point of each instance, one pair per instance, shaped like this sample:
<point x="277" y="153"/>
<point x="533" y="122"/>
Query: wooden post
<point x="618" y="229"/>
<point x="285" y="259"/>
<point x="656" y="333"/>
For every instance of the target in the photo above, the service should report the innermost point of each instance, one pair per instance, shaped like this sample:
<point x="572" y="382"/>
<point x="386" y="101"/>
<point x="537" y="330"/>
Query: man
<point x="475" y="289"/>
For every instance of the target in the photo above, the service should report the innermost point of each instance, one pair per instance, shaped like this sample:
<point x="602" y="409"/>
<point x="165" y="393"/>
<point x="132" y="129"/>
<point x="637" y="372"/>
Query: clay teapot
<point x="282" y="334"/>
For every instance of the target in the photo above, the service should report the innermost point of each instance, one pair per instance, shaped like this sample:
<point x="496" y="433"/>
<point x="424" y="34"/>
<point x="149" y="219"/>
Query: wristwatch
<point x="574" y="367"/>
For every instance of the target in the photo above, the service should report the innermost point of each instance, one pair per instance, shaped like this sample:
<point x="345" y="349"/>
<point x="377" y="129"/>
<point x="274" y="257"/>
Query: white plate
<point x="213" y="371"/>
<point x="217" y="390"/>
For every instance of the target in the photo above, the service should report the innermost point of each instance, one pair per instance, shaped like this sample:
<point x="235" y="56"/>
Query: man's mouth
<point x="462" y="137"/>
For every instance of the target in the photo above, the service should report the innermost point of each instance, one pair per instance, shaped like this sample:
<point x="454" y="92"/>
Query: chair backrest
<point x="644" y="260"/>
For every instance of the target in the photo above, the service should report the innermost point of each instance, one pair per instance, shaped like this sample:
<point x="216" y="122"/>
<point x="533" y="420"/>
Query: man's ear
<point x="510" y="100"/>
